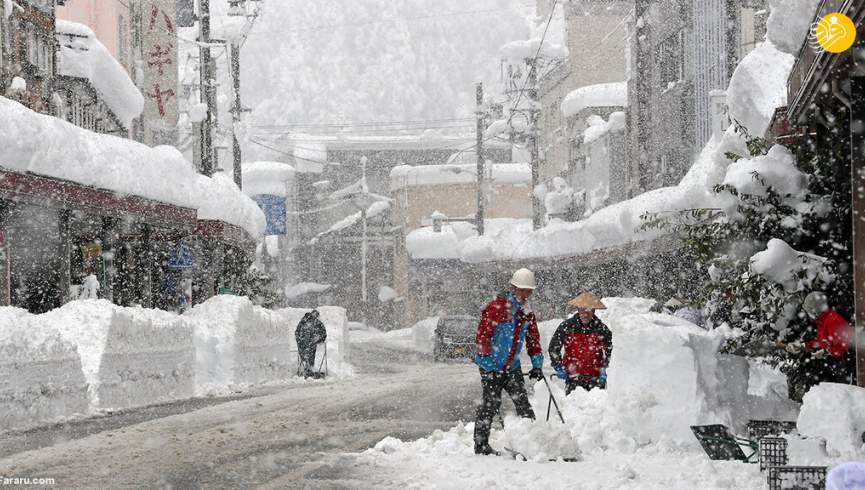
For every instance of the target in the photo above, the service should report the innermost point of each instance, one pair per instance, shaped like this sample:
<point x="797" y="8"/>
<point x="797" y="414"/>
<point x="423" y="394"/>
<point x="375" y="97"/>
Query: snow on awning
<point x="600" y="95"/>
<point x="422" y="175"/>
<point x="266" y="178"/>
<point x="120" y="165"/>
<point x="81" y="55"/>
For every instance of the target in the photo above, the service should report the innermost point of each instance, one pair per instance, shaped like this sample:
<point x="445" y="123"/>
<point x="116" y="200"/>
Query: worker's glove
<point x="793" y="347"/>
<point x="820" y="354"/>
<point x="536" y="374"/>
<point x="561" y="373"/>
<point x="602" y="377"/>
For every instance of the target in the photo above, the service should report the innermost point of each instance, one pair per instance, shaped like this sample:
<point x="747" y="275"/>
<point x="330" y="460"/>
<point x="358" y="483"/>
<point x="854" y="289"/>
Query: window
<point x="670" y="59"/>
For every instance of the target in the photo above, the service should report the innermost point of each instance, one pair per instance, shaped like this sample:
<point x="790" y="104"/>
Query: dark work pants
<point x="582" y="381"/>
<point x="307" y="359"/>
<point x="492" y="384"/>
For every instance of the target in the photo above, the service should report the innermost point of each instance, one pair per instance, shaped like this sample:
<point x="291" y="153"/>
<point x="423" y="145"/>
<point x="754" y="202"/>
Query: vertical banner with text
<point x="159" y="36"/>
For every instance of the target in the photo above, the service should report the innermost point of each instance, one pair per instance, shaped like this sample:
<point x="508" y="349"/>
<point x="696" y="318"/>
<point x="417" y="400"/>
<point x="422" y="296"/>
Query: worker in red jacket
<point x="825" y="357"/>
<point x="587" y="344"/>
<point x="506" y="324"/>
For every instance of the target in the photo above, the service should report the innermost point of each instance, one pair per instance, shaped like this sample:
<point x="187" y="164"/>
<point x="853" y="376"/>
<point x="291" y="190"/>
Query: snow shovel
<point x="552" y="402"/>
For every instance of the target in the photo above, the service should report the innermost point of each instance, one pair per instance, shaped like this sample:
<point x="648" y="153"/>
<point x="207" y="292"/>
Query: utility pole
<point x="238" y="109"/>
<point x="534" y="114"/>
<point x="363" y="245"/>
<point x="479" y="150"/>
<point x="857" y="185"/>
<point x="208" y="95"/>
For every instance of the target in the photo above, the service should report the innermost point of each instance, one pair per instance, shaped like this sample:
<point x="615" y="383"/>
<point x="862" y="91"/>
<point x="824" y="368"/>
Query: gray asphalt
<point x="294" y="436"/>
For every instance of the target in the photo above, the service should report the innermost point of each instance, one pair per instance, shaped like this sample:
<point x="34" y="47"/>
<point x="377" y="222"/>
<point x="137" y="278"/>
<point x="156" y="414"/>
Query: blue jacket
<point x="503" y="329"/>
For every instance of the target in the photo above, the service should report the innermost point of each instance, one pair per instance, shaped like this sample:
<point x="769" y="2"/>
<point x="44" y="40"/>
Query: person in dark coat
<point x="506" y="324"/>
<point x="309" y="333"/>
<point x="587" y="344"/>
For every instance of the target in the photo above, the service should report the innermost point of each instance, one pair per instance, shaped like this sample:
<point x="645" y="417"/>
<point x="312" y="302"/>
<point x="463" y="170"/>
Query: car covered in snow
<point x="455" y="337"/>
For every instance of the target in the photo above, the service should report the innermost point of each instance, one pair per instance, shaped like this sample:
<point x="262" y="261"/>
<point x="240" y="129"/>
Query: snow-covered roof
<point x="303" y="288"/>
<point x="422" y="175"/>
<point x="81" y="55"/>
<point x="601" y="95"/>
<point x="266" y="178"/>
<point x="525" y="49"/>
<point x="120" y="165"/>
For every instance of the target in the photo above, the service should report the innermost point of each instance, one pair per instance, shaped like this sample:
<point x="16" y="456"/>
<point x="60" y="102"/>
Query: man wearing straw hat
<point x="587" y="344"/>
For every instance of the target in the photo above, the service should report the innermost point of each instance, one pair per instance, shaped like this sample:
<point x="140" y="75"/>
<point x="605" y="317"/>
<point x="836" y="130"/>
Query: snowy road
<point x="292" y="437"/>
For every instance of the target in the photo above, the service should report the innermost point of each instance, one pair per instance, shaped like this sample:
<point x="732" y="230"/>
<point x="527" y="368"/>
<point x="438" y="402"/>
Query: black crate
<point x="758" y="429"/>
<point x="772" y="451"/>
<point x="796" y="477"/>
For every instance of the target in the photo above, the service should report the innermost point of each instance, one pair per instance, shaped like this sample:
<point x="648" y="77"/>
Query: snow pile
<point x="238" y="344"/>
<point x="268" y="178"/>
<point x="597" y="127"/>
<point x="601" y="95"/>
<point x="793" y="270"/>
<point x="836" y="413"/>
<point x="423" y="333"/>
<point x="789" y="23"/>
<point x="18" y="85"/>
<point x="82" y="55"/>
<point x="298" y="290"/>
<point x="560" y="199"/>
<point x="404" y="176"/>
<point x="777" y="170"/>
<point x="387" y="293"/>
<point x="220" y="199"/>
<point x="40" y="373"/>
<point x="758" y="86"/>
<point x="130" y="356"/>
<point x="665" y="375"/>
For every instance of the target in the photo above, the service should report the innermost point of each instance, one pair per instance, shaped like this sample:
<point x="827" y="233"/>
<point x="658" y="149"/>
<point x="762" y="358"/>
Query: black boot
<point x="486" y="450"/>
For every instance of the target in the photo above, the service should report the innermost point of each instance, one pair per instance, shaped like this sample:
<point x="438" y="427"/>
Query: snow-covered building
<point x="436" y="199"/>
<point x="96" y="90"/>
<point x="680" y="52"/>
<point x="27" y="53"/>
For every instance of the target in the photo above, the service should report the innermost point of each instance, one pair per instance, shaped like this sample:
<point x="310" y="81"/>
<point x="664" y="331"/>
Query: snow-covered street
<point x="293" y="436"/>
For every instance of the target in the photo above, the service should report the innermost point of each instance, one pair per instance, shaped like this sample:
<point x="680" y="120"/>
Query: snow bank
<point x="41" y="380"/>
<point x="237" y="344"/>
<point x="601" y="95"/>
<point x="423" y="334"/>
<point x="424" y="175"/>
<point x="82" y="55"/>
<point x="130" y="356"/>
<point x="836" y="413"/>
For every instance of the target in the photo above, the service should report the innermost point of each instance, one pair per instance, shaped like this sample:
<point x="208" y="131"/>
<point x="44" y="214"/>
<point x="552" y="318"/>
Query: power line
<point x="385" y="21"/>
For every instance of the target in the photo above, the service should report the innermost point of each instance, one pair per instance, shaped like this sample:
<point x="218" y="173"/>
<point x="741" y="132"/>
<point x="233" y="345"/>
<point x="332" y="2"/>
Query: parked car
<point x="455" y="337"/>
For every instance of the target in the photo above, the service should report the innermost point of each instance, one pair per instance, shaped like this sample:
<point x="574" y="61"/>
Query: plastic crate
<point x="772" y="451"/>
<point x="796" y="477"/>
<point x="757" y="429"/>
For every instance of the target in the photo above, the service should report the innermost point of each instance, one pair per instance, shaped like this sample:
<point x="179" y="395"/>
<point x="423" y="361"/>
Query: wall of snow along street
<point x="91" y="355"/>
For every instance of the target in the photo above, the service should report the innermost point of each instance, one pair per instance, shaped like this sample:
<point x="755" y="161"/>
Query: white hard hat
<point x="524" y="279"/>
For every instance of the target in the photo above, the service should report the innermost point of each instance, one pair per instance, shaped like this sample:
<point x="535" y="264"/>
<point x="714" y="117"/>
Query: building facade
<point x="682" y="51"/>
<point x="29" y="54"/>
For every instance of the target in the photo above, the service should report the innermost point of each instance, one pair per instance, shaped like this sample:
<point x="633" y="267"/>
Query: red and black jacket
<point x="587" y="348"/>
